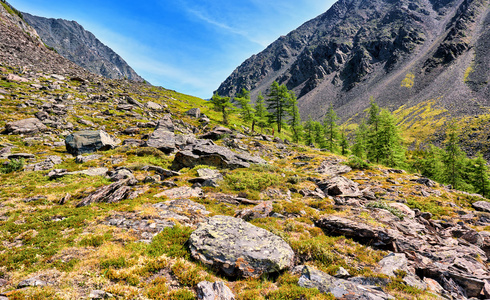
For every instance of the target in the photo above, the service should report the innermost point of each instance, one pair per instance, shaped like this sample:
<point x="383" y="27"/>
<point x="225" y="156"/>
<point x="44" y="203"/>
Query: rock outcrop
<point x="89" y="141"/>
<point x="239" y="249"/>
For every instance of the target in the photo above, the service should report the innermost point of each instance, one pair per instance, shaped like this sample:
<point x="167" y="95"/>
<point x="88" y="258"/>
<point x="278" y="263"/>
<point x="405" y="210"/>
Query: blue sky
<point x="184" y="45"/>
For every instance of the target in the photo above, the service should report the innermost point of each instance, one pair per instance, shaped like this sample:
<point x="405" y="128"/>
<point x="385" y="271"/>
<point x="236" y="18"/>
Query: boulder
<point x="238" y="248"/>
<point x="31" y="282"/>
<point x="89" y="141"/>
<point x="207" y="177"/>
<point x="16" y="78"/>
<point x="340" y="186"/>
<point x="482" y="206"/>
<point x="263" y="210"/>
<point x="217" y="133"/>
<point x="339" y="288"/>
<point x="205" y="152"/>
<point x="153" y="105"/>
<point x="180" y="193"/>
<point x="194" y="112"/>
<point x="162" y="139"/>
<point x="83" y="159"/>
<point x="164" y="173"/>
<point x="214" y="291"/>
<point x="27" y="126"/>
<point x="333" y="168"/>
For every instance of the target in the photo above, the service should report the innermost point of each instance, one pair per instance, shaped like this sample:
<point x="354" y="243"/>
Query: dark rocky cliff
<point x="75" y="43"/>
<point x="401" y="52"/>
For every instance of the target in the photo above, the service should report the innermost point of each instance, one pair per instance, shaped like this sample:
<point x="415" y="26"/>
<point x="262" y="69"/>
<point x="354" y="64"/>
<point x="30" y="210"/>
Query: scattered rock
<point x="214" y="291"/>
<point x="238" y="248"/>
<point x="83" y="159"/>
<point x="164" y="173"/>
<point x="153" y="105"/>
<point x="109" y="194"/>
<point x="482" y="206"/>
<point x="181" y="192"/>
<point x="98" y="294"/>
<point x="26" y="126"/>
<point x="263" y="210"/>
<point x="31" y="282"/>
<point x="21" y="156"/>
<point x="194" y="112"/>
<point x="207" y="177"/>
<point x="217" y="133"/>
<point x="16" y="78"/>
<point x="333" y="168"/>
<point x="205" y="152"/>
<point x="121" y="174"/>
<point x="340" y="186"/>
<point x="339" y="288"/>
<point x="88" y="141"/>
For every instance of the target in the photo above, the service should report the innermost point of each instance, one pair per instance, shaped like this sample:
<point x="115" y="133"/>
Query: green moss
<point x="170" y="242"/>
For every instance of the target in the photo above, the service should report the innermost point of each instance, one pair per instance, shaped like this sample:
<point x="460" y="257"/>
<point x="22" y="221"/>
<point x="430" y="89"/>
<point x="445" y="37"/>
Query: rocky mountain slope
<point x="112" y="189"/>
<point x="401" y="52"/>
<point x="75" y="43"/>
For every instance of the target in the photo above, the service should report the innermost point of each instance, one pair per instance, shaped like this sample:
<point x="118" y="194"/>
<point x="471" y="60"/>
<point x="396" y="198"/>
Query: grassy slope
<point x="75" y="252"/>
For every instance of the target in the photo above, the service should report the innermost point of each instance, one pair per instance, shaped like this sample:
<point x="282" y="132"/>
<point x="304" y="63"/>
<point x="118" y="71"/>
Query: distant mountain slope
<point x="75" y="43"/>
<point x="401" y="52"/>
<point x="20" y="46"/>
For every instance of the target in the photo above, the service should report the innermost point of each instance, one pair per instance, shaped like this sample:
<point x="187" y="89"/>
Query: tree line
<point x="377" y="138"/>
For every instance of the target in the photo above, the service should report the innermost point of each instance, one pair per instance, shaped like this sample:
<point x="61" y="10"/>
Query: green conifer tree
<point x="247" y="112"/>
<point x="344" y="144"/>
<point x="454" y="157"/>
<point x="277" y="102"/>
<point x="331" y="129"/>
<point x="309" y="131"/>
<point x="359" y="148"/>
<point x="295" y="118"/>
<point x="261" y="114"/>
<point x="223" y="105"/>
<point x="479" y="175"/>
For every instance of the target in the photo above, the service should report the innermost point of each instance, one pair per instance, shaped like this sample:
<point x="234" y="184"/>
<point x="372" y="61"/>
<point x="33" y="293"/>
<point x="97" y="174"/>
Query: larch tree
<point x="331" y="129"/>
<point x="247" y="112"/>
<point x="277" y="102"/>
<point x="294" y="121"/>
<point x="261" y="114"/>
<point x="223" y="105"/>
<point x="454" y="157"/>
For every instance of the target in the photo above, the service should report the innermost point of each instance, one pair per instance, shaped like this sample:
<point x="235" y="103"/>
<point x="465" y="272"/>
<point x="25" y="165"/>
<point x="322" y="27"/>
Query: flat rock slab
<point x="27" y="126"/>
<point x="181" y="192"/>
<point x="333" y="168"/>
<point x="340" y="186"/>
<point x="482" y="206"/>
<point x="89" y="141"/>
<point x="340" y="288"/>
<point x="205" y="152"/>
<point x="238" y="248"/>
<point x="214" y="291"/>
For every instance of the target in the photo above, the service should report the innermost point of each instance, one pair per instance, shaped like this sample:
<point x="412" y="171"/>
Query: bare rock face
<point x="88" y="141"/>
<point x="482" y="206"/>
<point x="27" y="126"/>
<point x="238" y="248"/>
<point x="75" y="43"/>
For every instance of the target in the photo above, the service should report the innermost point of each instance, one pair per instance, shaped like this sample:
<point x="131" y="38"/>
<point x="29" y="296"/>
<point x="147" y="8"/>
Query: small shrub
<point x="117" y="263"/>
<point x="92" y="241"/>
<point x="186" y="273"/>
<point x="357" y="163"/>
<point x="245" y="180"/>
<point x="181" y="294"/>
<point x="170" y="242"/>
<point x="385" y="206"/>
<point x="12" y="166"/>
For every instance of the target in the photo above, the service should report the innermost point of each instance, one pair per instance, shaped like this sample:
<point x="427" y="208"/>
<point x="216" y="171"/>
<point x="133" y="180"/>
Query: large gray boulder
<point x="89" y="141"/>
<point x="340" y="186"/>
<point x="27" y="126"/>
<point x="206" y="152"/>
<point x="238" y="248"/>
<point x="482" y="206"/>
<point x="163" y="138"/>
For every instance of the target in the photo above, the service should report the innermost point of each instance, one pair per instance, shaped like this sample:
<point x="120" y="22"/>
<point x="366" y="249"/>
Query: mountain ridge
<point x="359" y="49"/>
<point x="73" y="42"/>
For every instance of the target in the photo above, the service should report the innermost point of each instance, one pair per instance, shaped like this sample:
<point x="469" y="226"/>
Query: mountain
<point x="115" y="189"/>
<point x="75" y="43"/>
<point x="404" y="53"/>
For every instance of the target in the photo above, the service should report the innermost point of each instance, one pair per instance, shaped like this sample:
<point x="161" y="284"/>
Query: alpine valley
<point x="112" y="188"/>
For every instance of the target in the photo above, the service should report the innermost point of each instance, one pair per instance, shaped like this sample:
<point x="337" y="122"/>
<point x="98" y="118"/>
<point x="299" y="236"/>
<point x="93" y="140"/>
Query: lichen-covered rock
<point x="340" y="288"/>
<point x="340" y="186"/>
<point x="27" y="126"/>
<point x="239" y="249"/>
<point x="89" y="141"/>
<point x="181" y="193"/>
<point x="482" y="206"/>
<point x="214" y="291"/>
